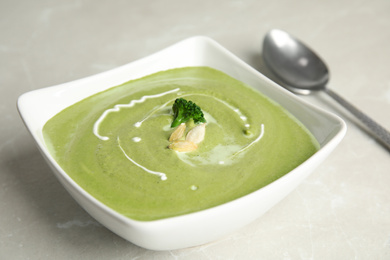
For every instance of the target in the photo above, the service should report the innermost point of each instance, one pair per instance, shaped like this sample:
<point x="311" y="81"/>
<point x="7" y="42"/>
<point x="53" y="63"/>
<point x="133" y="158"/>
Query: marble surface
<point x="342" y="211"/>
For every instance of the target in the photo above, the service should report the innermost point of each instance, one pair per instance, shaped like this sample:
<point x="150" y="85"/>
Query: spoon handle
<point x="380" y="133"/>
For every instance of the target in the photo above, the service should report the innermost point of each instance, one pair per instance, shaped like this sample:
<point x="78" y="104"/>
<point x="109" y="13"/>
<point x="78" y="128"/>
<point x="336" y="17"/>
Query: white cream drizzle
<point x="118" y="107"/>
<point x="136" y="139"/>
<point x="162" y="175"/>
<point x="139" y="123"/>
<point x="255" y="141"/>
<point x="220" y="155"/>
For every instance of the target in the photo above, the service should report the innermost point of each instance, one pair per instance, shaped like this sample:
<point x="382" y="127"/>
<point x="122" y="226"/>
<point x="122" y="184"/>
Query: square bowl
<point x="37" y="107"/>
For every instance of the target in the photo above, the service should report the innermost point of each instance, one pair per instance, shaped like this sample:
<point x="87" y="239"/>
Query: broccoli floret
<point x="184" y="110"/>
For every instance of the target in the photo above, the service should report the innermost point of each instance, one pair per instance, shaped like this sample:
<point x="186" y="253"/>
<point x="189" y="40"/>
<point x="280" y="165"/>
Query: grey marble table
<point x="342" y="211"/>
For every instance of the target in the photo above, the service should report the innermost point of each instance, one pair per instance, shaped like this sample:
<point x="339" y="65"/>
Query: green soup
<point x="114" y="144"/>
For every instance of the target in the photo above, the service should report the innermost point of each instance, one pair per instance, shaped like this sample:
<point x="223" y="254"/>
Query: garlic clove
<point x="197" y="134"/>
<point x="183" y="146"/>
<point x="178" y="133"/>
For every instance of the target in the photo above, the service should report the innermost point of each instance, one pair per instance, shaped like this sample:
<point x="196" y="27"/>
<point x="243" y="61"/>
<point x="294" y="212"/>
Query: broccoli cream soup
<point x="116" y="144"/>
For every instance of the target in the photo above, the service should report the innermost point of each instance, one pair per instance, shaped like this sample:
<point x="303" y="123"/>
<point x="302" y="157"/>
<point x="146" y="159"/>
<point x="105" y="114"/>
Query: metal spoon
<point x="304" y="72"/>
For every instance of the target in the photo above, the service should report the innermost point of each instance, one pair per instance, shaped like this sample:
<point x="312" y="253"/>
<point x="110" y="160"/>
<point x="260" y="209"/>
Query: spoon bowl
<point x="302" y="71"/>
<point x="300" y="68"/>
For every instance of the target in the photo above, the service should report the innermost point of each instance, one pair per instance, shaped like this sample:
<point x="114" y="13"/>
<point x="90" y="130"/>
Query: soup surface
<point x="114" y="144"/>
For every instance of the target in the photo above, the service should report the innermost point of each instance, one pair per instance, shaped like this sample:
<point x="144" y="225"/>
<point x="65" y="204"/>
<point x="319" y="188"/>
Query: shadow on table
<point x="257" y="62"/>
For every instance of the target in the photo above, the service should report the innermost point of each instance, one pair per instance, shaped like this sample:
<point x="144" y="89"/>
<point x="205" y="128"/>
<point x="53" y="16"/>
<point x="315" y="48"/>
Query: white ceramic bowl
<point x="37" y="107"/>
